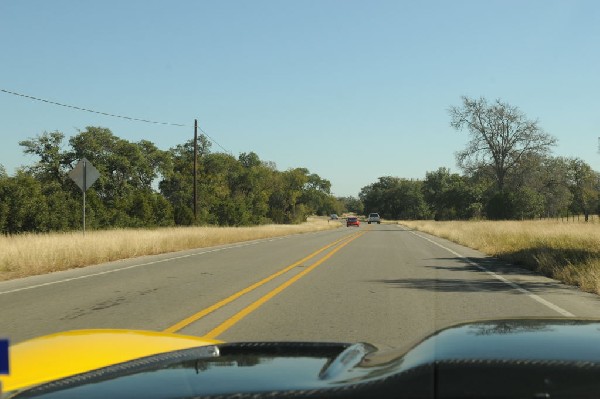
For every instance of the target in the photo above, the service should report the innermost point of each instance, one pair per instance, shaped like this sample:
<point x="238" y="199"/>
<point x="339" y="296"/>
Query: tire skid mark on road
<point x="120" y="269"/>
<point x="197" y="316"/>
<point x="512" y="284"/>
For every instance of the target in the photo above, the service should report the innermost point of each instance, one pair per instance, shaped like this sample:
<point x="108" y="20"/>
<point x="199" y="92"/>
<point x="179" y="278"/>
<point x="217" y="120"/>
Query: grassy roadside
<point x="31" y="254"/>
<point x="567" y="252"/>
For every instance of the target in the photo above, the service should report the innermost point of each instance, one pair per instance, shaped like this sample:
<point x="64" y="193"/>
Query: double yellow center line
<point x="342" y="242"/>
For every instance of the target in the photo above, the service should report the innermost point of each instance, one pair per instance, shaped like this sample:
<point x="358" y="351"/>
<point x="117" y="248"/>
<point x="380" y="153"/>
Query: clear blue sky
<point x="352" y="90"/>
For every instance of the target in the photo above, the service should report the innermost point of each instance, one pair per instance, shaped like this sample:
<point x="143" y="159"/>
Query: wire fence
<point x="572" y="218"/>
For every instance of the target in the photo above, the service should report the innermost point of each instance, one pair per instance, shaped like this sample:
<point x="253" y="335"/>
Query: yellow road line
<point x="227" y="324"/>
<point x="197" y="316"/>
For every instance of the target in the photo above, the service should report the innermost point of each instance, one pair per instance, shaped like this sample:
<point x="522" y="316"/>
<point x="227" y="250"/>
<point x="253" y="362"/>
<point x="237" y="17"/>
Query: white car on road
<point x="374" y="218"/>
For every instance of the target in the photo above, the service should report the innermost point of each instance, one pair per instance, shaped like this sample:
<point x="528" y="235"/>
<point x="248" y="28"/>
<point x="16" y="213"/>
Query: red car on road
<point x="352" y="221"/>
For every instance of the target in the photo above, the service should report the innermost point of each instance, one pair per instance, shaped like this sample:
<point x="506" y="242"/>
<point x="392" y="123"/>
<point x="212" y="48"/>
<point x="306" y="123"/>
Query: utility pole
<point x="84" y="190"/>
<point x="195" y="170"/>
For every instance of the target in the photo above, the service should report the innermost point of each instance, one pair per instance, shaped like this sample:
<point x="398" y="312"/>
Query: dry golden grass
<point x="569" y="252"/>
<point x="31" y="254"/>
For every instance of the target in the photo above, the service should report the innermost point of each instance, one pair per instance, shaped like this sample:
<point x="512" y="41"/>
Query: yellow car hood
<point x="60" y="355"/>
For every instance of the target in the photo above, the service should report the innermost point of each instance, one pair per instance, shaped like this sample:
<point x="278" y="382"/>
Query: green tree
<point x="177" y="183"/>
<point x="65" y="206"/>
<point x="255" y="184"/>
<point x="316" y="195"/>
<point x="221" y="198"/>
<point x="395" y="198"/>
<point x="449" y="195"/>
<point x="351" y="204"/>
<point x="3" y="173"/>
<point x="539" y="187"/>
<point x="555" y="189"/>
<point x="53" y="161"/>
<point x="284" y="205"/>
<point x="128" y="173"/>
<point x="23" y="206"/>
<point x="584" y="184"/>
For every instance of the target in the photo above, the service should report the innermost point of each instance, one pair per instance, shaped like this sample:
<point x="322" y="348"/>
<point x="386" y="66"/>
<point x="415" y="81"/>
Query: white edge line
<point x="104" y="272"/>
<point x="240" y="245"/>
<point x="513" y="285"/>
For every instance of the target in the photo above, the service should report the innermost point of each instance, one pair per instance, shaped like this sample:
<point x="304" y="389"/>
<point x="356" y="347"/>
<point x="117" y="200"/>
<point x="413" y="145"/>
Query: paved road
<point x="382" y="284"/>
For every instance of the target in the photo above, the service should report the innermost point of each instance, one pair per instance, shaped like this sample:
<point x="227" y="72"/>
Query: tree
<point x="352" y="204"/>
<point x="539" y="186"/>
<point x="584" y="186"/>
<point x="254" y="184"/>
<point x="218" y="190"/>
<point x="128" y="172"/>
<point x="395" y="198"/>
<point x="449" y="195"/>
<point x="23" y="207"/>
<point x="284" y="203"/>
<point x="557" y="195"/>
<point x="317" y="195"/>
<point x="177" y="183"/>
<point x="232" y="191"/>
<point x="53" y="161"/>
<point x="500" y="136"/>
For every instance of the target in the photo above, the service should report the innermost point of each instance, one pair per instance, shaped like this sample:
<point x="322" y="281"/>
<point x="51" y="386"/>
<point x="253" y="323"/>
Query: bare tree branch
<point x="500" y="136"/>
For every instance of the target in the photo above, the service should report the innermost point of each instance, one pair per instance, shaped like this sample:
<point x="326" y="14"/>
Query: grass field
<point x="569" y="252"/>
<point x="30" y="254"/>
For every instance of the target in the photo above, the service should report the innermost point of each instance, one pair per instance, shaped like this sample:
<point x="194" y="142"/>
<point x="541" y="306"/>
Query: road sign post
<point x="84" y="175"/>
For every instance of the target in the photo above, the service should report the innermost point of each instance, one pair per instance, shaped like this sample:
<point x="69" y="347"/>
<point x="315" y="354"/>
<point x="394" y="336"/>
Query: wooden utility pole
<point x="84" y="190"/>
<point x="195" y="170"/>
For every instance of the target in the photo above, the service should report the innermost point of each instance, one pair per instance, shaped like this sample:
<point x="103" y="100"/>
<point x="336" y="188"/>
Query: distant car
<point x="374" y="218"/>
<point x="334" y="216"/>
<point x="352" y="221"/>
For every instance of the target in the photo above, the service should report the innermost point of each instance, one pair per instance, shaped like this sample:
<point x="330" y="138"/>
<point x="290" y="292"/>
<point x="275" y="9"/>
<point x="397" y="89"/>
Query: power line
<point x="111" y="115"/>
<point x="214" y="141"/>
<point x="91" y="110"/>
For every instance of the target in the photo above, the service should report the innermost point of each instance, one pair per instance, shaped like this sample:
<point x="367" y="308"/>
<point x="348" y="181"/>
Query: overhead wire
<point x="90" y="110"/>
<point x="214" y="141"/>
<point x="111" y="115"/>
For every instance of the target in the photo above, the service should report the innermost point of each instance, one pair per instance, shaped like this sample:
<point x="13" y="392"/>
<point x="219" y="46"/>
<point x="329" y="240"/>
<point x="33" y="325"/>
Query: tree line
<point x="141" y="185"/>
<point x="546" y="188"/>
<point x="508" y="173"/>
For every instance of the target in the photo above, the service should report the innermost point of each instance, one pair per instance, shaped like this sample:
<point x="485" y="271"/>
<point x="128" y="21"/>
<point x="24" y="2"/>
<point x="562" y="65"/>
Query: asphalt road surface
<point x="382" y="284"/>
